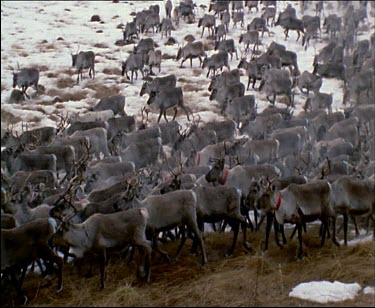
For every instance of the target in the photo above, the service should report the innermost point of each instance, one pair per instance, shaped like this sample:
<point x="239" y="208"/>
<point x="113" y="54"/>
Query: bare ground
<point x="245" y="279"/>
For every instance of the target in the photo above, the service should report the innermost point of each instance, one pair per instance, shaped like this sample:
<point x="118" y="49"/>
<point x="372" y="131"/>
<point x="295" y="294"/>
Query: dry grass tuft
<point x="112" y="71"/>
<point x="192" y="88"/>
<point x="197" y="71"/>
<point x="67" y="71"/>
<point x="16" y="46"/>
<point x="100" y="45"/>
<point x="68" y="95"/>
<point x="50" y="46"/>
<point x="102" y="90"/>
<point x="65" y="82"/>
<point x="52" y="75"/>
<point x="8" y="117"/>
<point x="183" y="79"/>
<point x="41" y="68"/>
<point x="3" y="87"/>
<point x="166" y="56"/>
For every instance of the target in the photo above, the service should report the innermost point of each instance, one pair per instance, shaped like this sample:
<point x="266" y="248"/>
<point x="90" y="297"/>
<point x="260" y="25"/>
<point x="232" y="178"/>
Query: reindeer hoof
<point x="248" y="246"/>
<point x="228" y="254"/>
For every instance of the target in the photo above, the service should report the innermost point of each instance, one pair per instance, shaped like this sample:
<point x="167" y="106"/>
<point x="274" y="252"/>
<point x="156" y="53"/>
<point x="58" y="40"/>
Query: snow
<point x="369" y="290"/>
<point x="325" y="292"/>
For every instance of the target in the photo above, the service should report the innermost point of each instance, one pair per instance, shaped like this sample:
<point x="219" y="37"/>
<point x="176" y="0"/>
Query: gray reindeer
<point x="24" y="78"/>
<point x="83" y="60"/>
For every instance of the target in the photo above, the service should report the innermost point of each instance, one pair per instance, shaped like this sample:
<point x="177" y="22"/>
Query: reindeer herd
<point x="103" y="180"/>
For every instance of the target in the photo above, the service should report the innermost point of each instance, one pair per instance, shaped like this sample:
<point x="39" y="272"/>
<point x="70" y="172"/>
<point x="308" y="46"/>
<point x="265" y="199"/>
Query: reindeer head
<point x="216" y="173"/>
<point x="15" y="75"/>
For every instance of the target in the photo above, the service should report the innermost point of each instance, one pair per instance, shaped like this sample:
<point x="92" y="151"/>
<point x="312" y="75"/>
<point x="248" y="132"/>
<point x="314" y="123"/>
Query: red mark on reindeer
<point x="224" y="179"/>
<point x="278" y="202"/>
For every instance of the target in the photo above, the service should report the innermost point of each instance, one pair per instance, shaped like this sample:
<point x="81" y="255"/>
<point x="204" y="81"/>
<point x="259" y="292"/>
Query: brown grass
<point x="8" y="117"/>
<point x="100" y="45"/>
<point x="75" y="95"/>
<point x="65" y="82"/>
<point x="102" y="90"/>
<point x="166" y="56"/>
<point x="112" y="71"/>
<point x="51" y="46"/>
<point x="41" y="68"/>
<point x="191" y="88"/>
<point x="245" y="279"/>
<point x="3" y="87"/>
<point x="197" y="71"/>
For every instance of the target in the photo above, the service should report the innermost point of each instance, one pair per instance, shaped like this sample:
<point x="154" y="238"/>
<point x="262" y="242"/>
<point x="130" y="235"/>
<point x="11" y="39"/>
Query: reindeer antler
<point x="63" y="124"/>
<point x="84" y="158"/>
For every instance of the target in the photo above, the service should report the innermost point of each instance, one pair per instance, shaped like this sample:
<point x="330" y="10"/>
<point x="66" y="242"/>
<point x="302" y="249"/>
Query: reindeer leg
<point x="23" y="274"/>
<point x="18" y="287"/>
<point x="49" y="255"/>
<point x="165" y="115"/>
<point x="160" y="114"/>
<point x="300" y="252"/>
<point x="186" y="111"/>
<point x="181" y="245"/>
<point x="324" y="227"/>
<point x="193" y="227"/>
<point x="175" y="113"/>
<point x="345" y="216"/>
<point x="334" y="238"/>
<point x="260" y="222"/>
<point x="277" y="228"/>
<point x="155" y="246"/>
<point x="235" y="227"/>
<point x="145" y="250"/>
<point x="248" y="83"/>
<point x="102" y="268"/>
<point x="200" y="224"/>
<point x="270" y="218"/>
<point x="355" y="225"/>
<point x="24" y="88"/>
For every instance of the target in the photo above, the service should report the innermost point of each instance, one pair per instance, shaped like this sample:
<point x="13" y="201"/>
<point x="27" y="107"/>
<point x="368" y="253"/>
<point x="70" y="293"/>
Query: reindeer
<point x="22" y="245"/>
<point x="353" y="197"/>
<point x="215" y="204"/>
<point x="167" y="98"/>
<point x="24" y="78"/>
<point x="104" y="231"/>
<point x="176" y="208"/>
<point x="83" y="60"/>
<point x="301" y="203"/>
